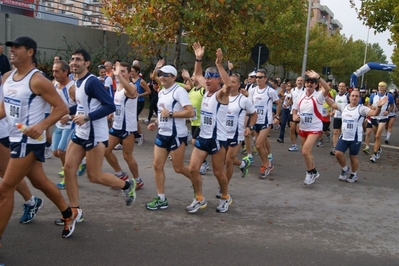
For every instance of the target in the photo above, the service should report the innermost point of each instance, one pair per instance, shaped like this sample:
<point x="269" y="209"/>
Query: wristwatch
<point x="170" y="114"/>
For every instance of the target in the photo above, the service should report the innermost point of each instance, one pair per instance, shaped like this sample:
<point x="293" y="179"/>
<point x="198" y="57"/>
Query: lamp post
<point x="365" y="54"/>
<point x="305" y="53"/>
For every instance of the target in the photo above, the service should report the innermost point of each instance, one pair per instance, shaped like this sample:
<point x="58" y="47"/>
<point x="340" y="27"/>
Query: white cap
<point x="392" y="90"/>
<point x="253" y="73"/>
<point x="169" y="69"/>
<point x="136" y="63"/>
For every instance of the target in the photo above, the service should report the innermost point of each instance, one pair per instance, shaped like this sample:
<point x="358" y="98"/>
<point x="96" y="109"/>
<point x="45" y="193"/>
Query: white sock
<point x="83" y="161"/>
<point x="388" y="135"/>
<point x="31" y="202"/>
<point x="345" y="168"/>
<point x="138" y="179"/>
<point x="242" y="164"/>
<point x="161" y="196"/>
<point x="249" y="155"/>
<point x="120" y="173"/>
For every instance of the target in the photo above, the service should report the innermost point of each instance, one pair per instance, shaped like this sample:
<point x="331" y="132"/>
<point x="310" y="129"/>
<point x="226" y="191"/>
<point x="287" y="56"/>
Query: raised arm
<point x="154" y="74"/>
<point x="199" y="53"/>
<point x="223" y="96"/>
<point x="325" y="88"/>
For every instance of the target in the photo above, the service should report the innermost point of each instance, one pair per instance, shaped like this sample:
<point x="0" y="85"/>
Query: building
<point x="322" y="15"/>
<point x="78" y="12"/>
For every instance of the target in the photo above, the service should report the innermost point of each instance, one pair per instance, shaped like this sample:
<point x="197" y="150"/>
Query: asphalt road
<point x="275" y="221"/>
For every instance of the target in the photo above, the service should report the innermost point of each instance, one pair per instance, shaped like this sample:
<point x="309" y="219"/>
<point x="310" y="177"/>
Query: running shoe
<point x="140" y="140"/>
<point x="378" y="155"/>
<point x="251" y="159"/>
<point x="61" y="173"/>
<point x="224" y="204"/>
<point x="328" y="137"/>
<point x="310" y="178"/>
<point x="118" y="147"/>
<point x="386" y="141"/>
<point x="332" y="152"/>
<point x="60" y="221"/>
<point x="130" y="193"/>
<point x="48" y="152"/>
<point x="244" y="150"/>
<point x="244" y="170"/>
<point x="320" y="143"/>
<point x="61" y="185"/>
<point x="146" y="121"/>
<point x="204" y="168"/>
<point x="352" y="178"/>
<point x="366" y="150"/>
<point x="269" y="169"/>
<point x="293" y="147"/>
<point x="218" y="194"/>
<point x="262" y="171"/>
<point x="373" y="158"/>
<point x="81" y="170"/>
<point x="123" y="177"/>
<point x="69" y="223"/>
<point x="139" y="183"/>
<point x="254" y="151"/>
<point x="157" y="204"/>
<point x="280" y="140"/>
<point x="270" y="157"/>
<point x="344" y="175"/>
<point x="31" y="211"/>
<point x="196" y="205"/>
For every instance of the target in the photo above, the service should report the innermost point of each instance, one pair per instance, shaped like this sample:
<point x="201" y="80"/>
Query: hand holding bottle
<point x="23" y="128"/>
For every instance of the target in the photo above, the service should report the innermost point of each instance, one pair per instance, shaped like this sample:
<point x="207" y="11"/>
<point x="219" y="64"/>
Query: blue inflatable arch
<point x="367" y="67"/>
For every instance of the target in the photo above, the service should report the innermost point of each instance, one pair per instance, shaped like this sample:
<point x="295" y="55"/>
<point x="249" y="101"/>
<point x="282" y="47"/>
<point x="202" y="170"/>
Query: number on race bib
<point x="207" y="120"/>
<point x="14" y="111"/>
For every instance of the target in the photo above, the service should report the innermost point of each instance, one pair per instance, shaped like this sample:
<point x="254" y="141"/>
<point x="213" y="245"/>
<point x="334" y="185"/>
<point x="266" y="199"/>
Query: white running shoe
<point x="204" y="168"/>
<point x="48" y="152"/>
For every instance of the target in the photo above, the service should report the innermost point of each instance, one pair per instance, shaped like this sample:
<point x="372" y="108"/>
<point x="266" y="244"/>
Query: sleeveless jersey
<point x="263" y="101"/>
<point x="239" y="105"/>
<point x="64" y="93"/>
<point x="341" y="101"/>
<point x="213" y="118"/>
<point x="173" y="99"/>
<point x="375" y="100"/>
<point x="352" y="122"/>
<point x="97" y="129"/>
<point x="310" y="109"/>
<point x="125" y="115"/>
<point x="140" y="90"/>
<point x="3" y="122"/>
<point x="22" y="106"/>
<point x="195" y="95"/>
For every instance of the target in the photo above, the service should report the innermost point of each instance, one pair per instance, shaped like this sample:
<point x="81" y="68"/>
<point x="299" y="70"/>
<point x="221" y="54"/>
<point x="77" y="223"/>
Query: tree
<point x="234" y="25"/>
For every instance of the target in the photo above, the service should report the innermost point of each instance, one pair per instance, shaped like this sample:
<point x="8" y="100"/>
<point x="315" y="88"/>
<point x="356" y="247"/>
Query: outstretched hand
<point x="312" y="74"/>
<point x="198" y="49"/>
<point x="219" y="56"/>
<point x="160" y="63"/>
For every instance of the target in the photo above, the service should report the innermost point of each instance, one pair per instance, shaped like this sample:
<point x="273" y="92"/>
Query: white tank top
<point x="125" y="115"/>
<point x="310" y="109"/>
<point x="376" y="98"/>
<point x="239" y="105"/>
<point x="97" y="129"/>
<point x="172" y="99"/>
<point x="213" y="118"/>
<point x="22" y="106"/>
<point x="352" y="122"/>
<point x="263" y="101"/>
<point x="64" y="93"/>
<point x="341" y="101"/>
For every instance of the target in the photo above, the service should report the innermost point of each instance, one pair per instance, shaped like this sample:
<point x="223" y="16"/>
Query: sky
<point x="353" y="27"/>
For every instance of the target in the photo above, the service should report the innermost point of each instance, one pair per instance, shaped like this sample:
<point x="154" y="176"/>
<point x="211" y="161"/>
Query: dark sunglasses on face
<point x="310" y="81"/>
<point x="259" y="77"/>
<point x="252" y="76"/>
<point x="166" y="75"/>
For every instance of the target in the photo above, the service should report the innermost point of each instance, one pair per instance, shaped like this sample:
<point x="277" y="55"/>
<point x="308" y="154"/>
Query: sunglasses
<point x="166" y="75"/>
<point x="310" y="81"/>
<point x="252" y="76"/>
<point x="260" y="77"/>
<point x="211" y="75"/>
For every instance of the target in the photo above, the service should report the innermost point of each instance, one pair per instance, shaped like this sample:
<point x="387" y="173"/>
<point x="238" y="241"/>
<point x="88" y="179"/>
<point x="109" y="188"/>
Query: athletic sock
<point x="161" y="197"/>
<point x="127" y="185"/>
<point x="31" y="202"/>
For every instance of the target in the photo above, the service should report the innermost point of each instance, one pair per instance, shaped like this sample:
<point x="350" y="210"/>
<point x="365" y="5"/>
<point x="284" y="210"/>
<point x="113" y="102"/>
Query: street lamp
<point x="305" y="53"/>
